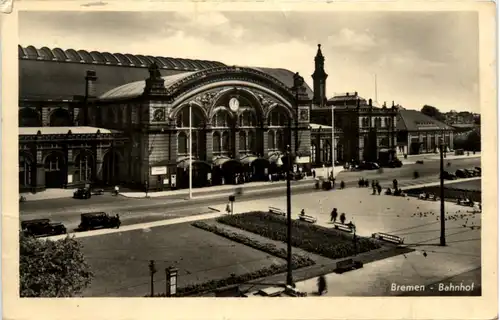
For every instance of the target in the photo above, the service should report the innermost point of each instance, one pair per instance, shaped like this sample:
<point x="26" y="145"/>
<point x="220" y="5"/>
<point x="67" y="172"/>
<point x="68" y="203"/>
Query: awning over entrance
<point x="251" y="159"/>
<point x="183" y="163"/>
<point x="224" y="161"/>
<point x="275" y="158"/>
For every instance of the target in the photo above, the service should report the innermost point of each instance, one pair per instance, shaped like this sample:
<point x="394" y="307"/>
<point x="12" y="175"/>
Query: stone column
<point x="236" y="142"/>
<point x="209" y="145"/>
<point x="361" y="147"/>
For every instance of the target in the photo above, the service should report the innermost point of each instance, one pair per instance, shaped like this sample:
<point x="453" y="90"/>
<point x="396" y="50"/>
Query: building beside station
<point x="102" y="118"/>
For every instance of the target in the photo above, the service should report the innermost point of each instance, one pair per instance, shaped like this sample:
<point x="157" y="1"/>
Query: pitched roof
<point x="55" y="74"/>
<point x="413" y="120"/>
<point x="28" y="131"/>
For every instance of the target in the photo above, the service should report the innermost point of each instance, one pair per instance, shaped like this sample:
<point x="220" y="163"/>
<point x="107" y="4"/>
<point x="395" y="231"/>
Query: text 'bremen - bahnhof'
<point x="104" y="119"/>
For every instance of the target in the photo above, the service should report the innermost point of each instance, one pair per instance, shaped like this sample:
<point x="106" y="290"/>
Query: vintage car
<point x="95" y="220"/>
<point x="82" y="193"/>
<point x="449" y="176"/>
<point x="42" y="227"/>
<point x="368" y="166"/>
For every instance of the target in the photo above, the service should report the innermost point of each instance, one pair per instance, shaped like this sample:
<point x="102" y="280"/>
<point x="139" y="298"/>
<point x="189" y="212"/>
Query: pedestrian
<point x="379" y="189"/>
<point x="395" y="184"/>
<point x="314" y="174"/>
<point x="342" y="218"/>
<point x="228" y="208"/>
<point x="333" y="216"/>
<point x="322" y="285"/>
<point x="342" y="184"/>
<point x="117" y="190"/>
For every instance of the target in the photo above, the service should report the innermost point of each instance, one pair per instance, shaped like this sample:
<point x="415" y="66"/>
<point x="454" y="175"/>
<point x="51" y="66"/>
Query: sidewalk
<point x="48" y="194"/>
<point x="230" y="187"/>
<point x="411" y="159"/>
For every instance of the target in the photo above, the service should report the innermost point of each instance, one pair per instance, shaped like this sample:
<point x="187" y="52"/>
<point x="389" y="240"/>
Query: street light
<point x="152" y="271"/>
<point x="190" y="152"/>
<point x="289" y="277"/>
<point x="333" y="144"/>
<point x="441" y="178"/>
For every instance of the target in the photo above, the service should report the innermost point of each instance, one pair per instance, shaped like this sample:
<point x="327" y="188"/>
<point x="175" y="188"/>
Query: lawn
<point x="327" y="242"/>
<point x="120" y="260"/>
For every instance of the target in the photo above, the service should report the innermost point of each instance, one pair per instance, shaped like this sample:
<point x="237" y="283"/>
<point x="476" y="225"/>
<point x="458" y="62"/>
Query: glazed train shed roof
<point x="56" y="74"/>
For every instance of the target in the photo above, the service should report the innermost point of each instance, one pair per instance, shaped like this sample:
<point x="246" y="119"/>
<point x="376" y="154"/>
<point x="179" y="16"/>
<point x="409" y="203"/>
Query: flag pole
<point x="190" y="152"/>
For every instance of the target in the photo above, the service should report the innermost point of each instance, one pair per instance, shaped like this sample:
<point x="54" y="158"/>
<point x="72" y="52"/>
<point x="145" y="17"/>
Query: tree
<point x="52" y="268"/>
<point x="432" y="112"/>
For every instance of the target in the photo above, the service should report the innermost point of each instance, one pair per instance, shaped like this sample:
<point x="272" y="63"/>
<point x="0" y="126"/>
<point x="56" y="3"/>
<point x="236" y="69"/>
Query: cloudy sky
<point x="419" y="58"/>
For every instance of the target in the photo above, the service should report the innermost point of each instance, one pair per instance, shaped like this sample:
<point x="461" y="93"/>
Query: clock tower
<point x="319" y="78"/>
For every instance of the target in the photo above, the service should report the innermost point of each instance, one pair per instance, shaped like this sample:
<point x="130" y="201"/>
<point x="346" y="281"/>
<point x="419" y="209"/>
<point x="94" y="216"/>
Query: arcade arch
<point x="60" y="118"/>
<point x="29" y="117"/>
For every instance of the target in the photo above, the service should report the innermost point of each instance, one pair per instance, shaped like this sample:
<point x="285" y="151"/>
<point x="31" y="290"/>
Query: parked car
<point x="449" y="176"/>
<point x="82" y="193"/>
<point x="470" y="173"/>
<point x="95" y="220"/>
<point x="42" y="227"/>
<point x="395" y="163"/>
<point x="460" y="173"/>
<point x="369" y="166"/>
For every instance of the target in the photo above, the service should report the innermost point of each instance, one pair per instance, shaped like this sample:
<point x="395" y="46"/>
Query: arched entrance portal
<point x="201" y="173"/>
<point x="60" y="118"/>
<point x="55" y="170"/>
<point x="226" y="170"/>
<point x="111" y="167"/>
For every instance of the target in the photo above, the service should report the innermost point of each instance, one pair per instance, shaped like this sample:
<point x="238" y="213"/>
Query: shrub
<point x="52" y="268"/>
<point x="309" y="237"/>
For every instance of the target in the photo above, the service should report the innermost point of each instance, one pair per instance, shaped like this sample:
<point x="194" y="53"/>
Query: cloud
<point x="348" y="38"/>
<point x="419" y="58"/>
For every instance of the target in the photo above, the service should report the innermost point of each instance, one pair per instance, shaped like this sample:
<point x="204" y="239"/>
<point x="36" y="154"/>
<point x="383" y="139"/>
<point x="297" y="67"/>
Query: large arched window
<point x="60" y="118"/>
<point x="226" y="141"/>
<point x="182" y="143"/>
<point x="366" y="122"/>
<point x="216" y="143"/>
<point x="29" y="118"/>
<point x="251" y="141"/>
<point x="280" y="141"/>
<point x="278" y="117"/>
<point x="83" y="166"/>
<point x="197" y="117"/>
<point x="242" y="141"/>
<point x="247" y="119"/>
<point x="270" y="140"/>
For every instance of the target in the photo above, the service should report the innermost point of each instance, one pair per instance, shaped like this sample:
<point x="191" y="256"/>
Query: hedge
<point x="298" y="261"/>
<point x="212" y="285"/>
<point x="326" y="242"/>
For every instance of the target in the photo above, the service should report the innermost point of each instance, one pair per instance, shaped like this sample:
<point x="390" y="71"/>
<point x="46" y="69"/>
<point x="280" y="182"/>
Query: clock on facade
<point x="159" y="115"/>
<point x="234" y="104"/>
<point x="304" y="115"/>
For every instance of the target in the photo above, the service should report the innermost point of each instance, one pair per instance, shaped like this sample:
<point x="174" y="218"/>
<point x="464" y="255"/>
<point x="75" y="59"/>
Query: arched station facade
<point x="241" y="123"/>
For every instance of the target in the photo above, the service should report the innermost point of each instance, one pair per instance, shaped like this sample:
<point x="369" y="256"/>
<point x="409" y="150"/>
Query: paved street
<point x="67" y="210"/>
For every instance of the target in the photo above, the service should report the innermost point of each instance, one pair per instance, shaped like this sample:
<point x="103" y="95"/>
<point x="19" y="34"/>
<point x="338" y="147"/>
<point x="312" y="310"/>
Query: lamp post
<point x="442" y="238"/>
<point x="190" y="152"/>
<point x="152" y="271"/>
<point x="289" y="277"/>
<point x="333" y="144"/>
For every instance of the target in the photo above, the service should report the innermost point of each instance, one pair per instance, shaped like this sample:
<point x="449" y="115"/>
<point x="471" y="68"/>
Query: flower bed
<point x="309" y="237"/>
<point x="298" y="261"/>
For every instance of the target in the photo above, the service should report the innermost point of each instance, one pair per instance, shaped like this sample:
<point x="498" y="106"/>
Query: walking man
<point x="333" y="216"/>
<point x="342" y="218"/>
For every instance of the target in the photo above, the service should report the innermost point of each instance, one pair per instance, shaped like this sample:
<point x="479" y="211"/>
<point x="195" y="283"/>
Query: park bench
<point x="306" y="218"/>
<point x="347" y="265"/>
<point x="276" y="211"/>
<point x="342" y="227"/>
<point x="388" y="237"/>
